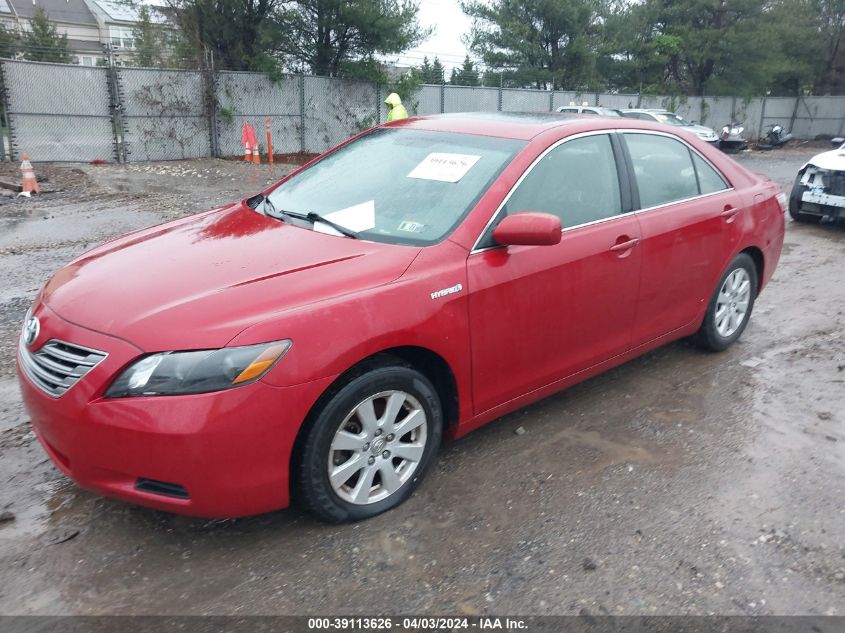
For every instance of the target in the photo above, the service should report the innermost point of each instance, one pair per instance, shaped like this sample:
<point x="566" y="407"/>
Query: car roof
<point x="648" y="110"/>
<point x="526" y="126"/>
<point x="515" y="125"/>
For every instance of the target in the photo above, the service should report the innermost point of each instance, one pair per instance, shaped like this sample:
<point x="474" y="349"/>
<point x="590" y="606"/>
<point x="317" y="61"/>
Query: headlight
<point x="176" y="373"/>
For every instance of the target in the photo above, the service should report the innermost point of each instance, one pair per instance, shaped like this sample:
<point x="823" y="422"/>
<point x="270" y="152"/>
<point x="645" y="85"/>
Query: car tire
<point x="348" y="436"/>
<point x="795" y="204"/>
<point x="729" y="309"/>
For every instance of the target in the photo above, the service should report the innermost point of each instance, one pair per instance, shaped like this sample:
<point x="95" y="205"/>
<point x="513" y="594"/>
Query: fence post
<point x="442" y="98"/>
<point x="795" y="111"/>
<point x="210" y="84"/>
<point x="4" y="89"/>
<point x="115" y="107"/>
<point x="302" y="113"/>
<point x="378" y="103"/>
<point x="596" y="99"/>
<point x="841" y="127"/>
<point x="552" y="100"/>
<point x="762" y="117"/>
<point x="499" y="102"/>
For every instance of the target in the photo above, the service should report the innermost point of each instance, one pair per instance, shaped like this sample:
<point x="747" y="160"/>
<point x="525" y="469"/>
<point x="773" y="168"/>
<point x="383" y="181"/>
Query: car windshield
<point x="671" y="119"/>
<point x="398" y="186"/>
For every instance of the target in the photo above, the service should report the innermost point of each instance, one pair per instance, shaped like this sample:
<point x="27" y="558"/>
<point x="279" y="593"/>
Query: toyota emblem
<point x="31" y="329"/>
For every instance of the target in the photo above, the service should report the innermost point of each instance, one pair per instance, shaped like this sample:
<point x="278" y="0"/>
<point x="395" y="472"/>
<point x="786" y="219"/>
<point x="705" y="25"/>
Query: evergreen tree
<point x="326" y="35"/>
<point x="8" y="42"/>
<point x="539" y="43"/>
<point x="43" y="43"/>
<point x="438" y="73"/>
<point x="466" y="75"/>
<point x="149" y="40"/>
<point x="422" y="73"/>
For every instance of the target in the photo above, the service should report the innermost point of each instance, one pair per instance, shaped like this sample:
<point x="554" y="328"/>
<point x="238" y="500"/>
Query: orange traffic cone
<point x="245" y="142"/>
<point x="30" y="184"/>
<point x="256" y="158"/>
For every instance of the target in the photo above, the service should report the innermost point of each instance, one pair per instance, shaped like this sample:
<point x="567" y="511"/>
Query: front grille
<point x="57" y="365"/>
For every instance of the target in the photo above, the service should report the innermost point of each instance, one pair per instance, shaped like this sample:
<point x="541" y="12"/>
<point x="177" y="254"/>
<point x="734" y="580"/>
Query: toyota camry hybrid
<point x="316" y="341"/>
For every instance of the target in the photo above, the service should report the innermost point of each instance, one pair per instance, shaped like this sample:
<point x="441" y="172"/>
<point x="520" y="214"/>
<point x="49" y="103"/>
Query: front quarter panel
<point x="424" y="308"/>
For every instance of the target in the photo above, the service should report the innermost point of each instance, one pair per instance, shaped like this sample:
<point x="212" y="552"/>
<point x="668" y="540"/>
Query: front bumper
<point x="229" y="451"/>
<point x="820" y="191"/>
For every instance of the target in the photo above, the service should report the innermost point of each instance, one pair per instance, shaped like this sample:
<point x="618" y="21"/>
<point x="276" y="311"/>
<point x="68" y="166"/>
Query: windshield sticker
<point x="411" y="227"/>
<point x="359" y="217"/>
<point x="444" y="167"/>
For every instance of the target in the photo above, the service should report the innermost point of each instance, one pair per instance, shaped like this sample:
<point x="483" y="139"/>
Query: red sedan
<point x="317" y="340"/>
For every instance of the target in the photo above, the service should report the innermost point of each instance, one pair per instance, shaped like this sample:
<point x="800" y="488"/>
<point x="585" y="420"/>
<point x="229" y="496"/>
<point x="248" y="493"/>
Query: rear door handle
<point x="624" y="246"/>
<point x="729" y="212"/>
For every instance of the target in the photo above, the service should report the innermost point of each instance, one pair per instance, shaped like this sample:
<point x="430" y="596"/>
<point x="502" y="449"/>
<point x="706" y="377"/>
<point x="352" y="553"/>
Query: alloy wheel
<point x="378" y="447"/>
<point x="732" y="302"/>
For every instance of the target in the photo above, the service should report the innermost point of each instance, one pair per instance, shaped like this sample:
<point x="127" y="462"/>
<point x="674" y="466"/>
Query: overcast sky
<point x="450" y="24"/>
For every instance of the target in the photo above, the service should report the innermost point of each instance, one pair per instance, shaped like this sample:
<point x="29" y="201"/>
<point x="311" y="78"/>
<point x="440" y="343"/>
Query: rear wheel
<point x="369" y="445"/>
<point x="730" y="306"/>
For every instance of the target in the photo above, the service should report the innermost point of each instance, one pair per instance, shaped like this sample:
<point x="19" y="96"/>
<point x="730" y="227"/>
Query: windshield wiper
<point x="313" y="218"/>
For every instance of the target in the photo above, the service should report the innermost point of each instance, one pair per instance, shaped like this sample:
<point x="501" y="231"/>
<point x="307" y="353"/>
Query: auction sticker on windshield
<point x="444" y="167"/>
<point x="359" y="217"/>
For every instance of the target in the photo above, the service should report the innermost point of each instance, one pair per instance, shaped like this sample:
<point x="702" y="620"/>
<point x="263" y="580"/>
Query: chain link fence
<point x="335" y="109"/>
<point x="252" y="98"/>
<point x="163" y="114"/>
<point x="58" y="112"/>
<point x="61" y="112"/>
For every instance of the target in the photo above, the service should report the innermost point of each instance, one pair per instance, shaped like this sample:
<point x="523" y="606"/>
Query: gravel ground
<point x="679" y="483"/>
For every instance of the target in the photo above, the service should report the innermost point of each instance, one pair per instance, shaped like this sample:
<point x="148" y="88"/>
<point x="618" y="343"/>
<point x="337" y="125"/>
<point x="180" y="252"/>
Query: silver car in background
<point x="664" y="116"/>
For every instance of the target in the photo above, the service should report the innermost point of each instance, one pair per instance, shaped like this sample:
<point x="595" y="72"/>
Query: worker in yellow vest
<point x="397" y="110"/>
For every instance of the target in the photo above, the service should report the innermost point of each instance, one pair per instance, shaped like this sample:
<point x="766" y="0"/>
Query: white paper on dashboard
<point x="444" y="167"/>
<point x="359" y="217"/>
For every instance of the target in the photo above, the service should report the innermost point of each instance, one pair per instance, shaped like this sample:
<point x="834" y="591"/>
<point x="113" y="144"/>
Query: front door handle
<point x="625" y="246"/>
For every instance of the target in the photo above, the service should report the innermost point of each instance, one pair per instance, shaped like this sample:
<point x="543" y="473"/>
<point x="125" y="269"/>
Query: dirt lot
<point x="682" y="482"/>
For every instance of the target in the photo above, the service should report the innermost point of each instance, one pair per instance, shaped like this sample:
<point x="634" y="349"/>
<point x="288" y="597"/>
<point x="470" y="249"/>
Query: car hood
<point x="196" y="283"/>
<point x="833" y="160"/>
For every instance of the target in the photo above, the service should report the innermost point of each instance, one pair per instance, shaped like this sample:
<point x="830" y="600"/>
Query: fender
<point x="333" y="335"/>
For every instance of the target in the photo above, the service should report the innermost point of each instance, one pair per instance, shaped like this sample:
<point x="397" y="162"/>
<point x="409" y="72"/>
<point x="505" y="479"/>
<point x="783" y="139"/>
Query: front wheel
<point x="369" y="445"/>
<point x="730" y="306"/>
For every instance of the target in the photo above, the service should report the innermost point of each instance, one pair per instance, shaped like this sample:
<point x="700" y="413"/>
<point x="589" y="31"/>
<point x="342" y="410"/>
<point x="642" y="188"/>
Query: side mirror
<point x="528" y="228"/>
<point x="837" y="142"/>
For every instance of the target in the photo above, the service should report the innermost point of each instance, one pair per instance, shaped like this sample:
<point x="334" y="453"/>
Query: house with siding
<point x="71" y="17"/>
<point x="90" y="25"/>
<point x="117" y="22"/>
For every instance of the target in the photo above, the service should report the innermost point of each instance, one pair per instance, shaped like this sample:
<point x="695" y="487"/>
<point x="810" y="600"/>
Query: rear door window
<point x="663" y="169"/>
<point x="709" y="180"/>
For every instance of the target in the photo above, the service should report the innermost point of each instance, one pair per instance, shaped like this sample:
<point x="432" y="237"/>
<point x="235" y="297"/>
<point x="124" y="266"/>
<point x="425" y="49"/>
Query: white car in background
<point x="819" y="189"/>
<point x="597" y="110"/>
<point x="664" y="116"/>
